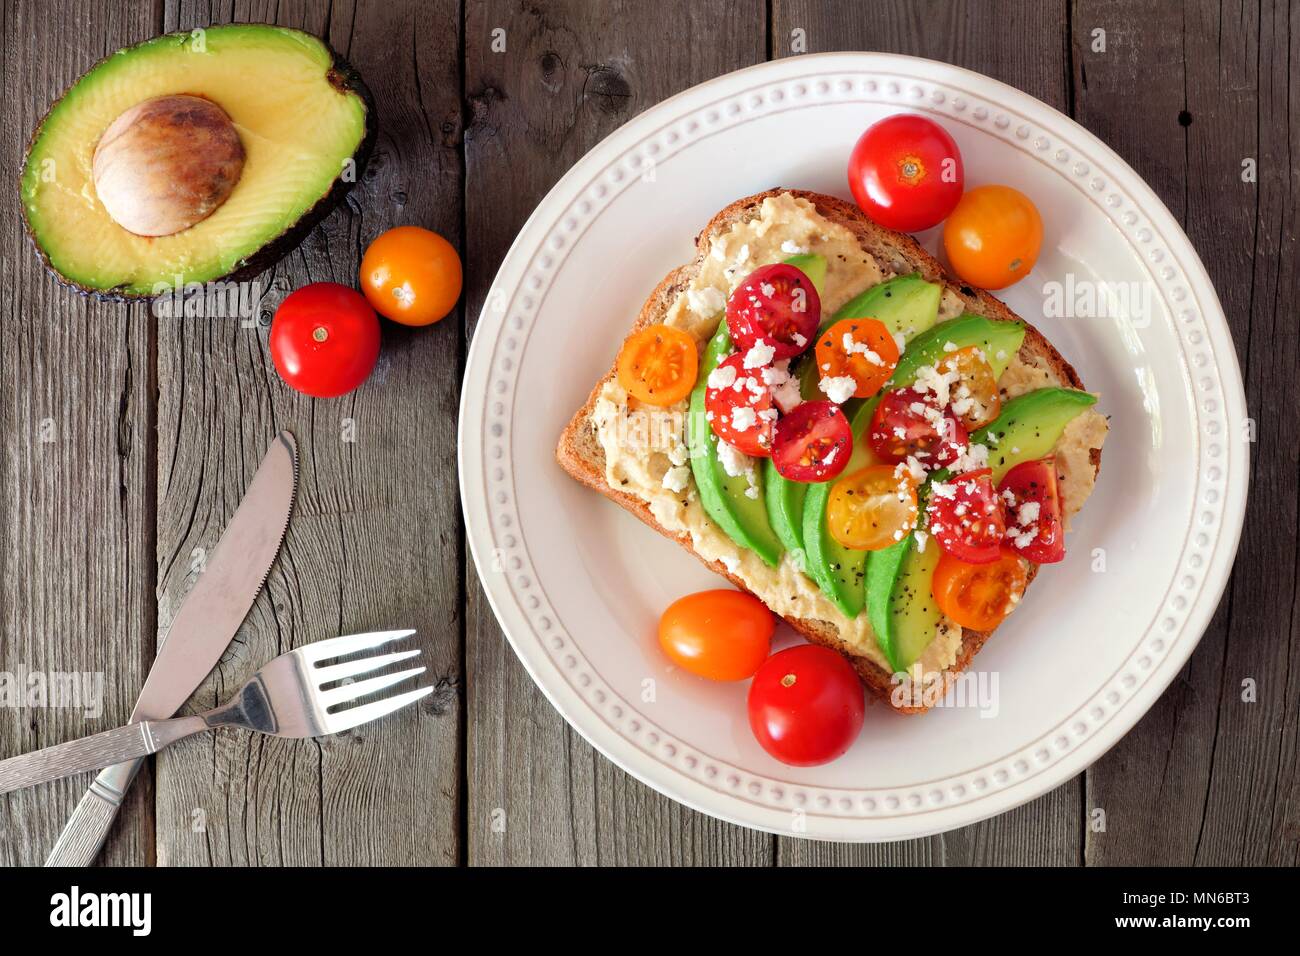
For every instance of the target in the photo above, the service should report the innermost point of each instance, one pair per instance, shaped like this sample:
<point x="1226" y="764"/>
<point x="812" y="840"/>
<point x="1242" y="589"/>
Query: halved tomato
<point x="778" y="304"/>
<point x="739" y="407"/>
<point x="872" y="508"/>
<point x="658" y="365"/>
<point x="1033" y="506"/>
<point x="975" y="397"/>
<point x="965" y="517"/>
<point x="907" y="423"/>
<point x="860" y="348"/>
<point x="979" y="596"/>
<point x="812" y="443"/>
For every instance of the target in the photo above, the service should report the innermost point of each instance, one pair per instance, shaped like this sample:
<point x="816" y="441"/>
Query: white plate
<point x="578" y="584"/>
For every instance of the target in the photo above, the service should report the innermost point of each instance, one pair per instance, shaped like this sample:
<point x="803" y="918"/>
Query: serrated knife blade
<point x="199" y="634"/>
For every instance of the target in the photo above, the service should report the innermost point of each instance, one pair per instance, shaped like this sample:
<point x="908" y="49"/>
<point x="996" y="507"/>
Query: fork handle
<point x="91" y="753"/>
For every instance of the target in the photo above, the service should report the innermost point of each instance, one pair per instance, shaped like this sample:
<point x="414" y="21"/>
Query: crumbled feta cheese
<point x="830" y="455"/>
<point x="719" y="251"/>
<point x="787" y="395"/>
<point x="921" y="538"/>
<point x="706" y="302"/>
<point x="743" y="255"/>
<point x="900" y="341"/>
<point x="768" y="415"/>
<point x="743" y="418"/>
<point x="767" y="289"/>
<point x="677" y="478"/>
<point x="678" y="453"/>
<point x="1028" y="512"/>
<point x="839" y="389"/>
<point x="915" y="468"/>
<point x="760" y="354"/>
<point x="734" y="461"/>
<point x="724" y="376"/>
<point x="791" y="248"/>
<point x="799" y="340"/>
<point x="777" y="374"/>
<point x="950" y="346"/>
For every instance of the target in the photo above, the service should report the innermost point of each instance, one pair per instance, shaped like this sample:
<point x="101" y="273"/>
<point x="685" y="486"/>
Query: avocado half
<point x="304" y="117"/>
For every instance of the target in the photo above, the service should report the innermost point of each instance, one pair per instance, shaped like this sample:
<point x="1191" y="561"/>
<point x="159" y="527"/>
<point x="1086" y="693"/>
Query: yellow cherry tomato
<point x="411" y="275"/>
<point x="721" y="635"/>
<point x="658" y="365"/>
<point x="993" y="236"/>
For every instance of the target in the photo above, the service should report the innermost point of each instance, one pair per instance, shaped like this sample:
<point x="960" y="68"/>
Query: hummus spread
<point x="640" y="454"/>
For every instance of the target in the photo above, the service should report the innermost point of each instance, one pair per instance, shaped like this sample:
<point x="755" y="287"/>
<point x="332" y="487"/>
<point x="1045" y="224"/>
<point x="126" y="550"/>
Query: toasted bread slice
<point x="580" y="452"/>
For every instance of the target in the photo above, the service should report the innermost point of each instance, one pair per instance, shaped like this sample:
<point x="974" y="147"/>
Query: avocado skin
<point x="342" y="75"/>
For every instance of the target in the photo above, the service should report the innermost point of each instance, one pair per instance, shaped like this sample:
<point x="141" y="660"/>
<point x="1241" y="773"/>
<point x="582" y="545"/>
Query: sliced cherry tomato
<point x="777" y="304"/>
<point x="812" y="443"/>
<point x="806" y="705"/>
<point x="411" y="275"/>
<point x="965" y="517"/>
<point x="658" y="365"/>
<point x="860" y="348"/>
<point x="907" y="423"/>
<point x="324" y="339"/>
<point x="721" y="634"/>
<point x="993" y="236"/>
<point x="739" y="406"/>
<point x="872" y="508"/>
<point x="906" y="173"/>
<point x="979" y="596"/>
<point x="975" y="397"/>
<point x="1033" y="507"/>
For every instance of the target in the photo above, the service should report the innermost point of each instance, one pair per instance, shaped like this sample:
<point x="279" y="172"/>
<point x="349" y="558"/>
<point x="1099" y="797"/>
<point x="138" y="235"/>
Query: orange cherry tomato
<point x="861" y="348"/>
<point x="975" y="397"/>
<point x="411" y="275"/>
<point x="979" y="596"/>
<point x="993" y="236"/>
<point x="872" y="508"/>
<point x="659" y="365"/>
<point x="721" y="635"/>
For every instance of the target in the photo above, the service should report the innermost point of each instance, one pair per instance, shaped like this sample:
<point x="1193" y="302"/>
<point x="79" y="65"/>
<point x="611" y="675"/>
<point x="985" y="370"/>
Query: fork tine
<point x="347" y="692"/>
<point x="350" y="644"/>
<point x="347" y="719"/>
<point x="323" y="675"/>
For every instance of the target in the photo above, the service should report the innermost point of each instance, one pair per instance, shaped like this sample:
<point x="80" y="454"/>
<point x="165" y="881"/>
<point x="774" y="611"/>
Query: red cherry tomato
<point x="966" y="517"/>
<point x="1033" y="507"/>
<point x="906" y="173"/>
<point x="806" y="705"/>
<point x="778" y="304"/>
<point x="324" y="339"/>
<point x="741" y="410"/>
<point x="721" y="635"/>
<point x="812" y="443"/>
<point x="908" y="423"/>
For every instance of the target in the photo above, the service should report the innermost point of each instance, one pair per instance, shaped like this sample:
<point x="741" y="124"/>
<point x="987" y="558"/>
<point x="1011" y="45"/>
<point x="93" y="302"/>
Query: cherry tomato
<point x="965" y="517"/>
<point x="906" y="173"/>
<point x="872" y="508"/>
<point x="1033" y="506"/>
<point x="907" y="422"/>
<point x="812" y="443"/>
<point x="979" y="596"/>
<point x="324" y="339"/>
<point x="975" y="397"/>
<point x="740" y="407"/>
<point x="993" y="236"/>
<point x="658" y="365"/>
<point x="777" y="304"/>
<point x="806" y="705"/>
<point x="860" y="348"/>
<point x="411" y="275"/>
<point x="721" y="635"/>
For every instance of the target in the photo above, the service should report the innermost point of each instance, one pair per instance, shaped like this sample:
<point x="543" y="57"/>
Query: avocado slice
<point x="813" y="265"/>
<point x="999" y="340"/>
<point x="900" y="602"/>
<point x="724" y="498"/>
<point x="304" y="118"/>
<point x="1029" y="426"/>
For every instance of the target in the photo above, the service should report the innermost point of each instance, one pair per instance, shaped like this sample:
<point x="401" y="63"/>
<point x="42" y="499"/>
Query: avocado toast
<point x="767" y="535"/>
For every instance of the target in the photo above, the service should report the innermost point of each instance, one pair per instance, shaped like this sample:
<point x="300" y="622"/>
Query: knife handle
<point x="88" y="827"/>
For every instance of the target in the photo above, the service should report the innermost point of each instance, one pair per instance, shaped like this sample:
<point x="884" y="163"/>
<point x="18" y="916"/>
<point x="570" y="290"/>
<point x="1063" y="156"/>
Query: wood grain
<point x="374" y="541"/>
<point x="1186" y="93"/>
<point x="76" y="495"/>
<point x="570" y="74"/>
<point x="1048" y="831"/>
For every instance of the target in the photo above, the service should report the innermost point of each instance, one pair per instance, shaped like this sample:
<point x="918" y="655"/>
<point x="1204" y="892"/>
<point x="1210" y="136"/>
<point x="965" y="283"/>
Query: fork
<point x="286" y="698"/>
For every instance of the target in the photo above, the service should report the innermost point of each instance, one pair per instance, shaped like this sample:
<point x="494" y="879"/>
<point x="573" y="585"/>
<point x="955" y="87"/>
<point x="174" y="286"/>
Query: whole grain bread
<point x="580" y="453"/>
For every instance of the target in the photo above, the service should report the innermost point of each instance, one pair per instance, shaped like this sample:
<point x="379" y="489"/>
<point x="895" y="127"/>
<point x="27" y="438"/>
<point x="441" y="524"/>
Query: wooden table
<point x="128" y="439"/>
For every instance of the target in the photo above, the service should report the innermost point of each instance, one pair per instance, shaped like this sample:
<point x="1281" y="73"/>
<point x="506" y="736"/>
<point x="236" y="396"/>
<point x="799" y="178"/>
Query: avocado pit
<point x="166" y="164"/>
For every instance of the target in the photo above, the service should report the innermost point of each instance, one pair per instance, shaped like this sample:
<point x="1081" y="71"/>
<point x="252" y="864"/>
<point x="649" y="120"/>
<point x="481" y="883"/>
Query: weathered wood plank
<point x="76" y="488"/>
<point x="374" y="542"/>
<point x="974" y="35"/>
<point x="571" y="73"/>
<point x="1187" y="93"/>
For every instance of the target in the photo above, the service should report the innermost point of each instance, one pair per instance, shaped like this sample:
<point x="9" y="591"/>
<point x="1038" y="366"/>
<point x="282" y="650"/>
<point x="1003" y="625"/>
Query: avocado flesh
<point x="900" y="603"/>
<point x="299" y="114"/>
<point x="1029" y="426"/>
<point x="742" y="519"/>
<point x="999" y="341"/>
